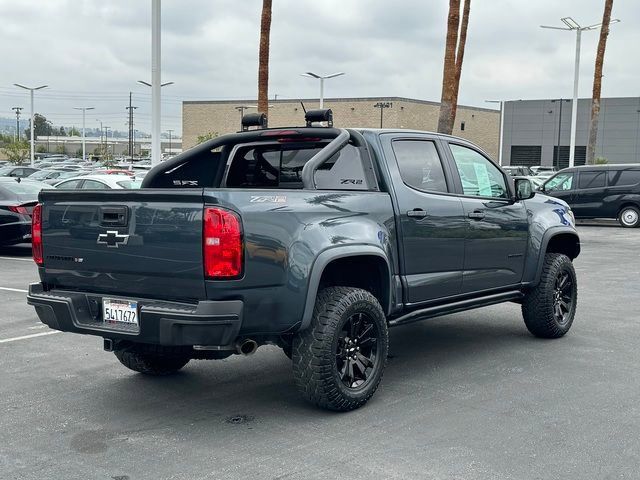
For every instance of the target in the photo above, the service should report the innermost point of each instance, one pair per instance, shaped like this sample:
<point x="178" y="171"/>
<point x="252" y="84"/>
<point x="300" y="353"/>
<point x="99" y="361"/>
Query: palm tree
<point x="597" y="82"/>
<point x="453" y="57"/>
<point x="263" y="58"/>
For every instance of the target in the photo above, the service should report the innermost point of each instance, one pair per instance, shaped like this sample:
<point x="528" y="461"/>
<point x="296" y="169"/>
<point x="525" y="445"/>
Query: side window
<point x="70" y="185"/>
<point x="480" y="177"/>
<point x="562" y="181"/>
<point x="591" y="179"/>
<point x="17" y="172"/>
<point x="348" y="169"/>
<point x="419" y="164"/>
<point x="620" y="178"/>
<point x="93" y="185"/>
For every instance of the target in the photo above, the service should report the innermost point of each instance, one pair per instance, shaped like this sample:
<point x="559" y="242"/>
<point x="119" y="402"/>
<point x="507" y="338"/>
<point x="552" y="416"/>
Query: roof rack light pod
<point x="319" y="115"/>
<point x="254" y="120"/>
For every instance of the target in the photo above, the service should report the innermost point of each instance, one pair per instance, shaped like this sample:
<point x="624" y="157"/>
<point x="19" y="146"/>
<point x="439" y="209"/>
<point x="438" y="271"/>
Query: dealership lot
<point x="471" y="395"/>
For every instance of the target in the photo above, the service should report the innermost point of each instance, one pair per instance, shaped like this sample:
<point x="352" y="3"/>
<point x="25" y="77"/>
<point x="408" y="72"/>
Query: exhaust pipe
<point x="246" y="347"/>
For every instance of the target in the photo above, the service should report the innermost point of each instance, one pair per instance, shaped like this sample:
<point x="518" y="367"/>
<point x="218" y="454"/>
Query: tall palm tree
<point x="263" y="58"/>
<point x="453" y="57"/>
<point x="597" y="82"/>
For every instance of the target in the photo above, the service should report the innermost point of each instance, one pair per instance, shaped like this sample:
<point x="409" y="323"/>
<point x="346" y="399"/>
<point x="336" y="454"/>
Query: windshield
<point x="5" y="170"/>
<point x="40" y="175"/>
<point x="562" y="181"/>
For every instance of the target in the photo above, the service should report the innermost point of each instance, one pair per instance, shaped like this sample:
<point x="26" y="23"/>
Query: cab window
<point x="562" y="181"/>
<point x="420" y="165"/>
<point x="480" y="177"/>
<point x="592" y="179"/>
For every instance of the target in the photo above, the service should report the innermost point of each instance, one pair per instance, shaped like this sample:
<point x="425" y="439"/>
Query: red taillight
<point x="36" y="234"/>
<point x="221" y="244"/>
<point x="19" y="209"/>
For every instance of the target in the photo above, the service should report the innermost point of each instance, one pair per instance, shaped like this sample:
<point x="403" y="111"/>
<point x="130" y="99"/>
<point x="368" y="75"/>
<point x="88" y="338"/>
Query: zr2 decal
<point x="268" y="199"/>
<point x="350" y="181"/>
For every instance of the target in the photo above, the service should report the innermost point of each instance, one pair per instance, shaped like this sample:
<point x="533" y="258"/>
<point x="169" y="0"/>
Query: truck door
<point x="497" y="227"/>
<point x="431" y="221"/>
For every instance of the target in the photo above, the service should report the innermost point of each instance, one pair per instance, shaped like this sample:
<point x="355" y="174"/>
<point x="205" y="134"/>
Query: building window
<point x="462" y="126"/>
<point x="561" y="159"/>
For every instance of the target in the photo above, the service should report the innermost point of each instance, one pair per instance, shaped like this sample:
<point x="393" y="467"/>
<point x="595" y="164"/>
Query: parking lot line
<point x="14" y="290"/>
<point x="25" y="337"/>
<point x="29" y="259"/>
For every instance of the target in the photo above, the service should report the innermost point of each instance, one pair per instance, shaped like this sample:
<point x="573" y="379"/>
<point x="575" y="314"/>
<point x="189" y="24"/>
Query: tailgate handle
<point x="114" y="216"/>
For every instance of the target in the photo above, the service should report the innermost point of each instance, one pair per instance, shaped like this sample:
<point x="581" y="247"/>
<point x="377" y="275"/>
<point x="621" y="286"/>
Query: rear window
<point x="23" y="188"/>
<point x="620" y="178"/>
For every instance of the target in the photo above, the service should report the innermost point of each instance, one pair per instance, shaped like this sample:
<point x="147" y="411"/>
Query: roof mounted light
<point x="319" y="115"/>
<point x="254" y="120"/>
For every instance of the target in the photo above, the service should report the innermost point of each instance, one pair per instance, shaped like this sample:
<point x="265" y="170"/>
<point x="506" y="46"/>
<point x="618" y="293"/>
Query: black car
<point x="17" y="171"/>
<point x="517" y="170"/>
<point x="17" y="199"/>
<point x="599" y="191"/>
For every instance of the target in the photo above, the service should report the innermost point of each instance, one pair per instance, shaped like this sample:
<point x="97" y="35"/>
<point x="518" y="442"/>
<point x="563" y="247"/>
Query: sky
<point x="92" y="52"/>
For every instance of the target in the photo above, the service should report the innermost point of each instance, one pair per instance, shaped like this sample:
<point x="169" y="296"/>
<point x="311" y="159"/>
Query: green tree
<point x="41" y="127"/>
<point x="41" y="149"/>
<point x="62" y="132"/>
<point x="17" y="151"/>
<point x="600" y="161"/>
<point x="206" y="136"/>
<point x="74" y="132"/>
<point x="61" y="149"/>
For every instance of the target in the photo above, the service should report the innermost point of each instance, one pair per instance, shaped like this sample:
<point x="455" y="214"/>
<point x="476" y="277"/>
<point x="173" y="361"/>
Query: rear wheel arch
<point x="365" y="267"/>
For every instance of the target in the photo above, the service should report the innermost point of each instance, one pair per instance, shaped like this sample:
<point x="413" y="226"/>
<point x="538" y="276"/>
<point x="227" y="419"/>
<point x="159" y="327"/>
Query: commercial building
<point x="537" y="132"/>
<point x="479" y="125"/>
<point x="72" y="145"/>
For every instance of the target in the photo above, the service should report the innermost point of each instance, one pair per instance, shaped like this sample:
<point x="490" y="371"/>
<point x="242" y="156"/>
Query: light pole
<point x="572" y="25"/>
<point x="156" y="148"/>
<point x="170" y="132"/>
<point x="322" y="78"/>
<point x="17" y="110"/>
<point x="501" y="134"/>
<point x="31" y="90"/>
<point x="84" y="114"/>
<point x="382" y="106"/>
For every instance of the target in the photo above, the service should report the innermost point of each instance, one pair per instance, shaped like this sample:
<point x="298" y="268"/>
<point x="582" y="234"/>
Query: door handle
<point x="476" y="215"/>
<point x="416" y="213"/>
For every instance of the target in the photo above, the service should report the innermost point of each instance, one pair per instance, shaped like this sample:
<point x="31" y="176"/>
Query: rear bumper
<point x="210" y="323"/>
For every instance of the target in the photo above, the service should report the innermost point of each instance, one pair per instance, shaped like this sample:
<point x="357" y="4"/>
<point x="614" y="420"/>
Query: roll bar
<point x="334" y="146"/>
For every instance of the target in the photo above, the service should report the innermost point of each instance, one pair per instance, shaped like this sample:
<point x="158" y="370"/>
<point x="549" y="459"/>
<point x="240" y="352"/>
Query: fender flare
<point x="325" y="258"/>
<point x="546" y="238"/>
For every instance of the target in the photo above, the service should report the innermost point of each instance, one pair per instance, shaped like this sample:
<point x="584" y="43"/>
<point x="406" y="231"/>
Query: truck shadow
<point x="242" y="390"/>
<point x="20" y="250"/>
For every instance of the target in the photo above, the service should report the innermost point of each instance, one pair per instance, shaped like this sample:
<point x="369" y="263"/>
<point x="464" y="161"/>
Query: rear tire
<point x="629" y="217"/>
<point x="549" y="308"/>
<point x="149" y="363"/>
<point x="339" y="359"/>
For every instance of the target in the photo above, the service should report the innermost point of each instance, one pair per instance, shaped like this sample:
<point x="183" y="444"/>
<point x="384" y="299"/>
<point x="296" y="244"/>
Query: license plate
<point x="119" y="311"/>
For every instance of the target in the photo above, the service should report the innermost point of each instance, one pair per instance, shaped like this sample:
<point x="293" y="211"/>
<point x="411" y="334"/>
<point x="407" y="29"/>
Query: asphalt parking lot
<point x="466" y="396"/>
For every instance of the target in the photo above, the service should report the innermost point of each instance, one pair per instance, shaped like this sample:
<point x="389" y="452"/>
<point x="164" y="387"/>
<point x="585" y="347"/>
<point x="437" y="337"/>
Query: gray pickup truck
<point x="315" y="239"/>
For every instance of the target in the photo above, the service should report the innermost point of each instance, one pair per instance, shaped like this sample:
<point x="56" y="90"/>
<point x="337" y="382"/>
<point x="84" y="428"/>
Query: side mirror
<point x="524" y="189"/>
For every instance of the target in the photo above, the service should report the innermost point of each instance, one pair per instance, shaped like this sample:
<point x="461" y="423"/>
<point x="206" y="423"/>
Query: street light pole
<point x="322" y="78"/>
<point x="84" y="114"/>
<point x="155" y="107"/>
<point x="382" y="106"/>
<point x="17" y="110"/>
<point x="31" y="90"/>
<point x="501" y="134"/>
<point x="170" y="132"/>
<point x="572" y="25"/>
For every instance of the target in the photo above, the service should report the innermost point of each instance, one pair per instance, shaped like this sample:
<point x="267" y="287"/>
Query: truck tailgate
<point x="144" y="243"/>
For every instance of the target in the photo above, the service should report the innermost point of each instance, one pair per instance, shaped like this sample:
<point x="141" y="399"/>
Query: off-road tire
<point x="151" y="364"/>
<point x="629" y="217"/>
<point x="314" y="349"/>
<point x="539" y="303"/>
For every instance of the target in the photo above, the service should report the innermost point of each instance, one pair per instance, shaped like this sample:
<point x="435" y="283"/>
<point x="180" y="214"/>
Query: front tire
<point x="339" y="360"/>
<point x="629" y="217"/>
<point x="549" y="308"/>
<point x="150" y="363"/>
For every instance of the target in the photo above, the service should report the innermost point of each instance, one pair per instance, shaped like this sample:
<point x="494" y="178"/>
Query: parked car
<point x="543" y="169"/>
<point x="313" y="239"/>
<point x="17" y="171"/>
<point x="517" y="170"/>
<point x="51" y="177"/>
<point x="17" y="199"/>
<point x="599" y="191"/>
<point x="536" y="182"/>
<point x="113" y="171"/>
<point x="97" y="182"/>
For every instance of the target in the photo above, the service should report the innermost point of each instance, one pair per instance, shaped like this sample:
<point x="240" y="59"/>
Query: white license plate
<point x="119" y="311"/>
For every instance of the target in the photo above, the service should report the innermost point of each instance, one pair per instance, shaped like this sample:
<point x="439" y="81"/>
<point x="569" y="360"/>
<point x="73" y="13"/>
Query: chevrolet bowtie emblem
<point x="112" y="239"/>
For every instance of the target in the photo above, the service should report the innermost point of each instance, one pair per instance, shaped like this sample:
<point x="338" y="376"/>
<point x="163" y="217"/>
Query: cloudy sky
<point x="91" y="52"/>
